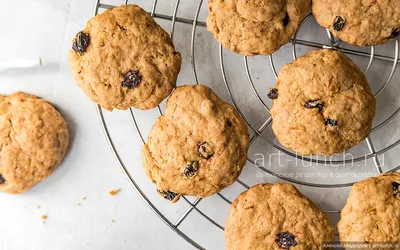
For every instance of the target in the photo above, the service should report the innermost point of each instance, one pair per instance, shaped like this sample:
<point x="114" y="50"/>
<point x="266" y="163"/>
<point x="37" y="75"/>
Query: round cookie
<point x="124" y="59"/>
<point x="33" y="139"/>
<point x="198" y="147"/>
<point x="255" y="27"/>
<point x="361" y="23"/>
<point x="372" y="211"/>
<point x="276" y="216"/>
<point x="322" y="104"/>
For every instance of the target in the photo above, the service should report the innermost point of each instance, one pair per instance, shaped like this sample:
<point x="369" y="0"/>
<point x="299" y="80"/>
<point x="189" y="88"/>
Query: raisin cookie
<point x="124" y="59"/>
<point x="322" y="104"/>
<point x="198" y="147"/>
<point x="255" y="27"/>
<point x="276" y="216"/>
<point x="33" y="139"/>
<point x="361" y="23"/>
<point x="372" y="211"/>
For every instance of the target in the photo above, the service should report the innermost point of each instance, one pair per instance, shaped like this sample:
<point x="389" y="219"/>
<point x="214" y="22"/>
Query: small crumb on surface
<point x="38" y="207"/>
<point x="79" y="204"/>
<point x="84" y="198"/>
<point x="113" y="221"/>
<point x="44" y="217"/>
<point x="114" y="192"/>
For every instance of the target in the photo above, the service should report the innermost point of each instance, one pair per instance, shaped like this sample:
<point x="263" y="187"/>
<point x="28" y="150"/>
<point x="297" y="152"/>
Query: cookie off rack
<point x="256" y="130"/>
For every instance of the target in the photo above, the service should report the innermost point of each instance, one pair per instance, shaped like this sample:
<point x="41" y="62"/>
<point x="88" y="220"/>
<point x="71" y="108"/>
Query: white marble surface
<point x="45" y="28"/>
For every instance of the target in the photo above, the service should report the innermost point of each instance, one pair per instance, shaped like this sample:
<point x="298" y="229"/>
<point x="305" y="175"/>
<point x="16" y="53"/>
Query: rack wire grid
<point x="261" y="134"/>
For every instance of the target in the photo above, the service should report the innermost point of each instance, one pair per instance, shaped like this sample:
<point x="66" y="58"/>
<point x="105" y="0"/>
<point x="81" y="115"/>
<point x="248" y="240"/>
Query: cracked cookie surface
<point x="359" y="22"/>
<point x="372" y="211"/>
<point x="198" y="147"/>
<point x="255" y="27"/>
<point x="124" y="59"/>
<point x="33" y="140"/>
<point x="276" y="216"/>
<point x="323" y="104"/>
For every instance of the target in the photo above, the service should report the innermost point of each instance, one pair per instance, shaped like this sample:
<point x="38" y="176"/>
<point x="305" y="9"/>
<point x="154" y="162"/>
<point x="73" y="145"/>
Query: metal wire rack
<point x="257" y="131"/>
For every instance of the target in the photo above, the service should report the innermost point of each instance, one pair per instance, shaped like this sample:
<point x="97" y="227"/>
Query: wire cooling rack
<point x="257" y="131"/>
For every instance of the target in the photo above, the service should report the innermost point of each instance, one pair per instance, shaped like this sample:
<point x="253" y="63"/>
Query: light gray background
<point x="45" y="28"/>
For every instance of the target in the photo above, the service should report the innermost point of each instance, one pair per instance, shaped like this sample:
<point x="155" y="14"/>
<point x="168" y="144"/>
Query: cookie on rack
<point x="198" y="147"/>
<point x="361" y="23"/>
<point x="372" y="211"/>
<point x="255" y="27"/>
<point x="276" y="216"/>
<point x="322" y="104"/>
<point x="124" y="59"/>
<point x="33" y="139"/>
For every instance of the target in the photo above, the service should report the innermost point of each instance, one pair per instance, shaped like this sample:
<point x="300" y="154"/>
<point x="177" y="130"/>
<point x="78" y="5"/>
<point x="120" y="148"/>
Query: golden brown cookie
<point x="322" y="104"/>
<point x="124" y="59"/>
<point x="255" y="27"/>
<point x="359" y="22"/>
<point x="276" y="216"/>
<point x="198" y="147"/>
<point x="372" y="211"/>
<point x="33" y="140"/>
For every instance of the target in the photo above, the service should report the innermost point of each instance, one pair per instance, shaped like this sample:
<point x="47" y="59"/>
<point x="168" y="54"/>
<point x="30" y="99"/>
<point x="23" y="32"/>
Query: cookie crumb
<point x="113" y="221"/>
<point x="44" y="217"/>
<point x="84" y="198"/>
<point x="79" y="204"/>
<point x="38" y="207"/>
<point x="115" y="191"/>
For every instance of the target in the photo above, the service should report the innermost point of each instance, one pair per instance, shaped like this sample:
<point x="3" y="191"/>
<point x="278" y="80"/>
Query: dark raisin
<point x="396" y="188"/>
<point x="395" y="33"/>
<point x="205" y="150"/>
<point x="273" y="93"/>
<point x="81" y="42"/>
<point x="131" y="79"/>
<point x="229" y="123"/>
<point x="285" y="20"/>
<point x="191" y="169"/>
<point x="338" y="24"/>
<point x="330" y="122"/>
<point x="285" y="240"/>
<point x="2" y="179"/>
<point x="169" y="195"/>
<point x="314" y="104"/>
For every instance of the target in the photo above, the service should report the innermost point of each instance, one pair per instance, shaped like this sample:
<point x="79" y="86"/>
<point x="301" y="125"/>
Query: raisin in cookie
<point x="124" y="59"/>
<point x="33" y="141"/>
<point x="198" y="147"/>
<point x="276" y="216"/>
<point x="255" y="27"/>
<point x="361" y="23"/>
<point x="372" y="211"/>
<point x="322" y="104"/>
